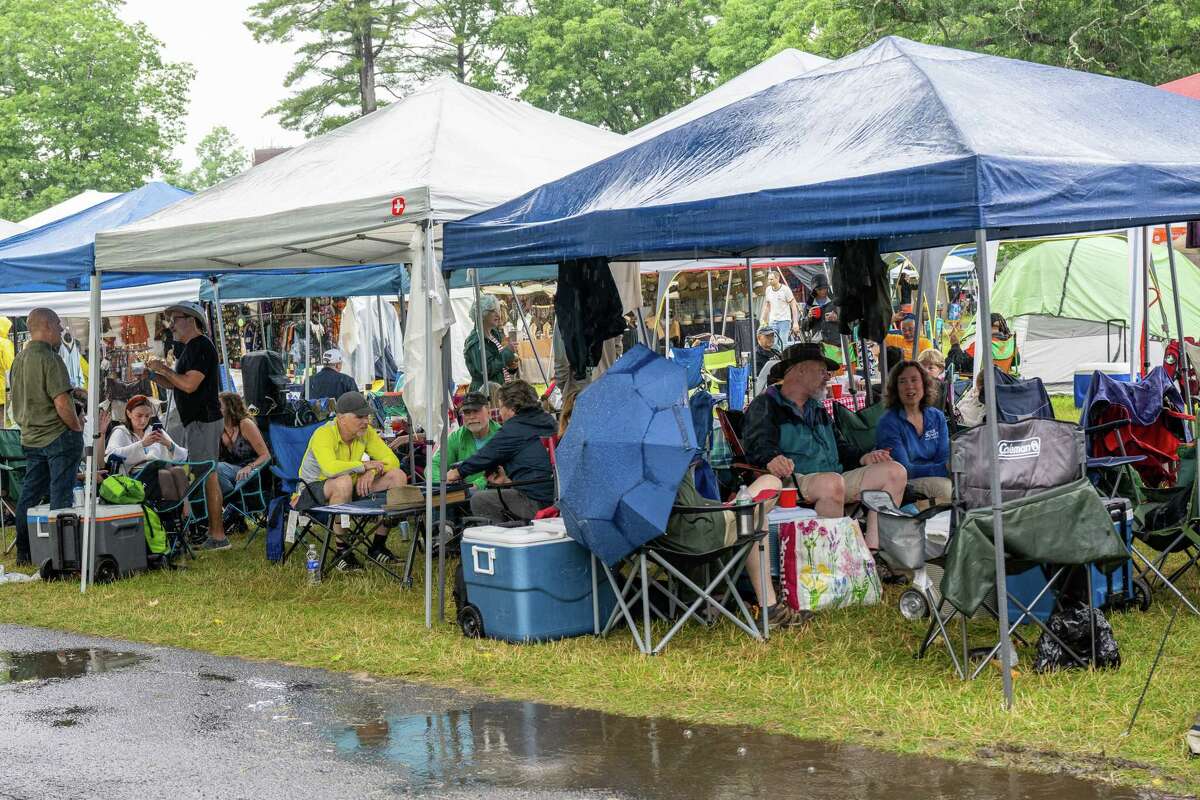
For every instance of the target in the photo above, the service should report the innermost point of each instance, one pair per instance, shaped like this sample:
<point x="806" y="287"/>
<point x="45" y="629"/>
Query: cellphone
<point x="156" y="426"/>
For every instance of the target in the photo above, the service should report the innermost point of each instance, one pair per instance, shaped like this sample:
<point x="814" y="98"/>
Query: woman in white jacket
<point x="138" y="440"/>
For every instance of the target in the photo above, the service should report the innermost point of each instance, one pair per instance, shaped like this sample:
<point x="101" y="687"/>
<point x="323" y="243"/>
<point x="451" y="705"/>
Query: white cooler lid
<point x="938" y="526"/>
<point x="778" y="514"/>
<point x="1114" y="367"/>
<point x="512" y="537"/>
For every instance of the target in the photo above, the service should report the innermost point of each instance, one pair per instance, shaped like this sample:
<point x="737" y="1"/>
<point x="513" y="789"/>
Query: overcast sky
<point x="237" y="79"/>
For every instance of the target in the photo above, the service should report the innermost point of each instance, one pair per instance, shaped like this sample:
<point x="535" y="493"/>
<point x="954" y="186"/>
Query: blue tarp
<point x="910" y="144"/>
<point x="381" y="279"/>
<point x="60" y="255"/>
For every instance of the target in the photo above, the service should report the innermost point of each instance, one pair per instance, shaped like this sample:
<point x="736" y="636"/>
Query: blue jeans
<point x="783" y="332"/>
<point x="47" y="469"/>
<point x="227" y="477"/>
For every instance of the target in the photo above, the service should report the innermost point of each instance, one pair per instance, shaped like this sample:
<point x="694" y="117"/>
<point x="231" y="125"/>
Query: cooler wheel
<point x="1141" y="594"/>
<point x="913" y="605"/>
<point x="46" y="571"/>
<point x="107" y="570"/>
<point x="471" y="622"/>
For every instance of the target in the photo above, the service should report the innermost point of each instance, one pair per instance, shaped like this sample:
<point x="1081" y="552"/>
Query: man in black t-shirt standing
<point x="195" y="383"/>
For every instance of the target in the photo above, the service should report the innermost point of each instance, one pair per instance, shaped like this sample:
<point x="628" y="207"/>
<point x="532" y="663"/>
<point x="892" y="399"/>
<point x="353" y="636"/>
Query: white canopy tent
<point x="356" y="195"/>
<point x="363" y="194"/>
<point x="8" y="228"/>
<point x="130" y="300"/>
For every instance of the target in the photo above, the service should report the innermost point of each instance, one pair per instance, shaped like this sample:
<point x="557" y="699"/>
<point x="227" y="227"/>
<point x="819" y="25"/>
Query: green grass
<point x="850" y="677"/>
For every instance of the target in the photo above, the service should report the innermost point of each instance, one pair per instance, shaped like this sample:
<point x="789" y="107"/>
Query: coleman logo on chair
<point x="1013" y="449"/>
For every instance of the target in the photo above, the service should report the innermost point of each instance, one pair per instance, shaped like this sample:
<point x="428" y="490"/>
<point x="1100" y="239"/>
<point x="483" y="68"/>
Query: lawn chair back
<point x="288" y="446"/>
<point x="731" y="427"/>
<point x="1033" y="456"/>
<point x="1019" y="399"/>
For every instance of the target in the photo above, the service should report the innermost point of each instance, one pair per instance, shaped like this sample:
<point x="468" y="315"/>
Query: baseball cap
<point x="799" y="353"/>
<point x="765" y="329"/>
<point x="332" y="356"/>
<point x="353" y="403"/>
<point x="192" y="310"/>
<point x="474" y="401"/>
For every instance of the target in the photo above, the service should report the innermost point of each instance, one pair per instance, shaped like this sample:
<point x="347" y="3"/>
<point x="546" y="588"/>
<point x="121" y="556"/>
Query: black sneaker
<point x="215" y="544"/>
<point x="345" y="561"/>
<point x="380" y="554"/>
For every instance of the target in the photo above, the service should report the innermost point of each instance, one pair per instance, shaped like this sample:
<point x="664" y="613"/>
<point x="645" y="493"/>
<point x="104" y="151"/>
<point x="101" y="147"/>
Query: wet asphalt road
<point x="82" y="717"/>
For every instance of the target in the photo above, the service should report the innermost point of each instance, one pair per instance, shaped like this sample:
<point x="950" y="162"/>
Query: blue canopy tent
<point x="61" y="255"/>
<point x="911" y="145"/>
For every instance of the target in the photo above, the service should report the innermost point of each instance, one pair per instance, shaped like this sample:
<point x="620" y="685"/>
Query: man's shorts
<point x="311" y="495"/>
<point x="203" y="440"/>
<point x="853" y="479"/>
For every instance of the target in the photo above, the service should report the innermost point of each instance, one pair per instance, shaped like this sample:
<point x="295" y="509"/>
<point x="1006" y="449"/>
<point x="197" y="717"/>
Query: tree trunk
<point x="462" y="63"/>
<point x="365" y="51"/>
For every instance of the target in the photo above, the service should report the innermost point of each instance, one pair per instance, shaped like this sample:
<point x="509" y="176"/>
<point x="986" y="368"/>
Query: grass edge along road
<point x="850" y="677"/>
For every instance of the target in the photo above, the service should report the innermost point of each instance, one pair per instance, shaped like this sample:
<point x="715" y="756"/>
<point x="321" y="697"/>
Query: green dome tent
<point x="1068" y="302"/>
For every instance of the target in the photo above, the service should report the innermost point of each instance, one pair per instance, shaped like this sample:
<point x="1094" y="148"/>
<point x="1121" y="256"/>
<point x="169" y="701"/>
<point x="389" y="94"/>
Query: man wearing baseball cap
<point x="333" y="470"/>
<point x="329" y="381"/>
<point x="477" y="430"/>
<point x="788" y="432"/>
<point x="195" y="384"/>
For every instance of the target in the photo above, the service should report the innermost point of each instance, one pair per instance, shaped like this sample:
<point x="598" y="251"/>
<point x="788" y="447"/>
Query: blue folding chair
<point x="288" y="446"/>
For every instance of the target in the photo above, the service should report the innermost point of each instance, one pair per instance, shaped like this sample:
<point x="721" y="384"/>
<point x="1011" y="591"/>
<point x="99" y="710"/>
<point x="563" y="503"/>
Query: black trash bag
<point x="1070" y="624"/>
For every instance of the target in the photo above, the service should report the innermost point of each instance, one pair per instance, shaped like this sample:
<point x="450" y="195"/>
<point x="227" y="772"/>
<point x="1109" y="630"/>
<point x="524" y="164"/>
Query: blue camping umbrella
<point x="628" y="446"/>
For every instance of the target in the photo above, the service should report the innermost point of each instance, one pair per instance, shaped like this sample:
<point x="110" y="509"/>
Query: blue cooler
<point x="533" y="583"/>
<point x="1116" y="588"/>
<point x="777" y="517"/>
<point x="1117" y="370"/>
<point x="1025" y="586"/>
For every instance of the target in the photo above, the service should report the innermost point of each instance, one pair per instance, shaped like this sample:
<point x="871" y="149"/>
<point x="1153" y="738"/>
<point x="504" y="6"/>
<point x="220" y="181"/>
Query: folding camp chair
<point x="179" y="501"/>
<point x="1137" y="436"/>
<point x="288" y="445"/>
<point x="1052" y="517"/>
<point x="680" y="598"/>
<point x="250" y="499"/>
<point x="12" y="475"/>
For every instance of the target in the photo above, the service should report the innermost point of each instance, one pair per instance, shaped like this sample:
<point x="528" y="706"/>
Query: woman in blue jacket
<point x="916" y="432"/>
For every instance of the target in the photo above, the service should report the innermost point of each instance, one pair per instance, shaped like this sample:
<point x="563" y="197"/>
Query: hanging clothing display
<point x="861" y="289"/>
<point x="589" y="312"/>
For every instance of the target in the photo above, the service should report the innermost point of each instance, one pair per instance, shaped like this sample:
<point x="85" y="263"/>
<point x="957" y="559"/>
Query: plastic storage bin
<point x="531" y="584"/>
<point x="55" y="540"/>
<point x="777" y="517"/>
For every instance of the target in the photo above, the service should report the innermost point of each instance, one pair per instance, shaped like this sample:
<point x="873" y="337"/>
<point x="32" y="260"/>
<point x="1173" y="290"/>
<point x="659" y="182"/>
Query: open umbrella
<point x="628" y="446"/>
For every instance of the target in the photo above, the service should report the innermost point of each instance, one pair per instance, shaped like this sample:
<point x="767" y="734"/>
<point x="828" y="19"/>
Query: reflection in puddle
<point x="508" y="744"/>
<point x="56" y="664"/>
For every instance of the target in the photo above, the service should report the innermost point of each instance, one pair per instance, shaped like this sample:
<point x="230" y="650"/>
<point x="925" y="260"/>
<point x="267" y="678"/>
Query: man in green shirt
<point x="51" y="434"/>
<point x="478" y="427"/>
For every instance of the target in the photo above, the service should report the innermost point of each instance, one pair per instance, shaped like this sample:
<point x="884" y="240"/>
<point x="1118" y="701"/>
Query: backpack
<point x="122" y="490"/>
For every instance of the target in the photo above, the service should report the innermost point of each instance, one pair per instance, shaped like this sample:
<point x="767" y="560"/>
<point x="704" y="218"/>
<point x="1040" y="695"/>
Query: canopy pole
<point x="851" y="382"/>
<point x="307" y="346"/>
<point x="482" y="332"/>
<point x="91" y="432"/>
<point x="643" y="334"/>
<point x="1184" y="361"/>
<point x="427" y="280"/>
<point x="752" y="379"/>
<point x="220" y="315"/>
<point x="667" y="320"/>
<point x="712" y="322"/>
<point x="916" y="345"/>
<point x="1133" y="238"/>
<point x="1144" y="335"/>
<point x="725" y="305"/>
<point x="528" y="335"/>
<point x="993" y="439"/>
<point x="442" y="440"/>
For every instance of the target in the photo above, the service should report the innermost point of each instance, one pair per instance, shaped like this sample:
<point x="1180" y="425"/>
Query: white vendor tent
<point x="117" y="302"/>
<point x="356" y="194"/>
<point x="67" y="208"/>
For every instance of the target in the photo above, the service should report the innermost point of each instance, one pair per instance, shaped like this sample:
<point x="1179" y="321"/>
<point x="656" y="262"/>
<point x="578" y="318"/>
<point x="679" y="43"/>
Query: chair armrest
<point x="1105" y="427"/>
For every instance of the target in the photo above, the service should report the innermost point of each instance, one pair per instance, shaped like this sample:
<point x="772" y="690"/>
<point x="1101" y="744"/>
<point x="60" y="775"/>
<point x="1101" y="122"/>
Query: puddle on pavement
<point x="42" y="665"/>
<point x="515" y="745"/>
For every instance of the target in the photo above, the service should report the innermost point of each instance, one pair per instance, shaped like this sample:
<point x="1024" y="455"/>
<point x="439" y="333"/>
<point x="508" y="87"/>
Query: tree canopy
<point x="220" y="156"/>
<point x="86" y="102"/>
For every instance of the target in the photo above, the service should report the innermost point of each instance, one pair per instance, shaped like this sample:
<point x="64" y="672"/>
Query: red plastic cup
<point x="788" y="497"/>
<point x="837" y="391"/>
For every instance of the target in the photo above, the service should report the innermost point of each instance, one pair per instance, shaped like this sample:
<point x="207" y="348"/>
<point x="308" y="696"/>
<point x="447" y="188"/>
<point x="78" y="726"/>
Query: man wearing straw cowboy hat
<point x="196" y="386"/>
<point x="789" y="433"/>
